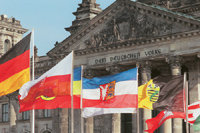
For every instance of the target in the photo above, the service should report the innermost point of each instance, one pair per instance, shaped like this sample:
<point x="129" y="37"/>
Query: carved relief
<point x="127" y="25"/>
<point x="175" y="3"/>
<point x="116" y="30"/>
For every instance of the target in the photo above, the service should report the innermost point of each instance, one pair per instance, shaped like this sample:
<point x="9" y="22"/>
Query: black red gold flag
<point x="15" y="67"/>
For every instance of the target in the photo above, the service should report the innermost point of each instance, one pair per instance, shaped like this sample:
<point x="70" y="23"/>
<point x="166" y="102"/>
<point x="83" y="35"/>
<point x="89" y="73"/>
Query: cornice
<point x="130" y="43"/>
<point x="110" y="11"/>
<point x="11" y="24"/>
<point x="15" y="29"/>
<point x="135" y="42"/>
<point x="188" y="9"/>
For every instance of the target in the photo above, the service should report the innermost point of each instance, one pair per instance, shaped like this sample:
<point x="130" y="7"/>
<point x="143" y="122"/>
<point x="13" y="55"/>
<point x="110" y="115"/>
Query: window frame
<point x="5" y="112"/>
<point x="47" y="113"/>
<point x="26" y="115"/>
<point x="7" y="45"/>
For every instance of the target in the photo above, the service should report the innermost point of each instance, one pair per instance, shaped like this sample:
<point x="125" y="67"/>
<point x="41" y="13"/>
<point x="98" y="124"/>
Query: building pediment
<point x="124" y="21"/>
<point x="131" y="24"/>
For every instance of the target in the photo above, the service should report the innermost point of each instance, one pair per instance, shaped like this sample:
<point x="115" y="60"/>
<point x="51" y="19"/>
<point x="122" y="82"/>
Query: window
<point x="126" y="123"/>
<point x="47" y="113"/>
<point x="6" y="45"/>
<point x="5" y="112"/>
<point x="26" y="115"/>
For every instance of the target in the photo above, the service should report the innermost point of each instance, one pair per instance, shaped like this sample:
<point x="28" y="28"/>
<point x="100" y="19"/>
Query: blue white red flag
<point x="116" y="93"/>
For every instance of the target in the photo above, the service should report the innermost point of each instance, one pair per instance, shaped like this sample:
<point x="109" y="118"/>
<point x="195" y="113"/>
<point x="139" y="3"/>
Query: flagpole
<point x="138" y="114"/>
<point x="186" y="100"/>
<point x="82" y="122"/>
<point x="33" y="77"/>
<point x="72" y="99"/>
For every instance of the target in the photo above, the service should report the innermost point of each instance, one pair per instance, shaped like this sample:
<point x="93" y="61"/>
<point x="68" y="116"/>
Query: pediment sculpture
<point x="129" y="25"/>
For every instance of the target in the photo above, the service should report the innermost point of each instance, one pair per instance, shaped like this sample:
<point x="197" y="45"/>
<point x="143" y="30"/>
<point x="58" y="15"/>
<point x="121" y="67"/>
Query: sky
<point x="48" y="18"/>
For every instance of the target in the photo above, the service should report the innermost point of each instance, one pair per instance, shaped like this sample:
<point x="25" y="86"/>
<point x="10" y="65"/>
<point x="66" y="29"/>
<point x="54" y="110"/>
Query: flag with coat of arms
<point x="111" y="94"/>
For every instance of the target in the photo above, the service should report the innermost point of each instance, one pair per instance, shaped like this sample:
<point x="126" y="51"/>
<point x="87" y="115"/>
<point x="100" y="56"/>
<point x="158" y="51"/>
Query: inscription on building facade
<point x="125" y="56"/>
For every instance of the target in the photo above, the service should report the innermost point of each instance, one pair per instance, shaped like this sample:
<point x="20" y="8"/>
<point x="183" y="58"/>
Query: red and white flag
<point x="157" y="121"/>
<point x="193" y="112"/>
<point x="49" y="91"/>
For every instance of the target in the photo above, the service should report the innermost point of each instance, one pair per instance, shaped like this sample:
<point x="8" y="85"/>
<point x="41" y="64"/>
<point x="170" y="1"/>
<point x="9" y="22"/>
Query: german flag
<point x="15" y="67"/>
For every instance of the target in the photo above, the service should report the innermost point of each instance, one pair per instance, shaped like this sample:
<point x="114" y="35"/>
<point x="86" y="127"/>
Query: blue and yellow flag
<point x="77" y="81"/>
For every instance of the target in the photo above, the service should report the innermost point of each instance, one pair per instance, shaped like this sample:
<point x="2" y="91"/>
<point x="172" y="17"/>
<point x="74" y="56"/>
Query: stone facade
<point x="11" y="32"/>
<point x="125" y="35"/>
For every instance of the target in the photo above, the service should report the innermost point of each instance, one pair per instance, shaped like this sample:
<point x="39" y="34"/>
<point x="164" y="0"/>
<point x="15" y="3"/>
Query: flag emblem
<point x="47" y="90"/>
<point x="153" y="92"/>
<point x="107" y="91"/>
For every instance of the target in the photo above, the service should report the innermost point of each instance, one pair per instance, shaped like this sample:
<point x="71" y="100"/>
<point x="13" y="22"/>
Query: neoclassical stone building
<point x="161" y="37"/>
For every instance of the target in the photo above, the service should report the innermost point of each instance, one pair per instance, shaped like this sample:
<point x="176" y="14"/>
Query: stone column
<point x="64" y="120"/>
<point x="175" y="63"/>
<point x="12" y="111"/>
<point x="145" y="74"/>
<point x="89" y="122"/>
<point x="116" y="118"/>
<point x="55" y="121"/>
<point x="194" y="83"/>
<point x="2" y="43"/>
<point x="198" y="74"/>
<point x="198" y="82"/>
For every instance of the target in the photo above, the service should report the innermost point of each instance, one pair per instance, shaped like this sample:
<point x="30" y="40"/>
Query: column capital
<point x="175" y="62"/>
<point x="198" y="55"/>
<point x="145" y="66"/>
<point x="4" y="98"/>
<point x="13" y="96"/>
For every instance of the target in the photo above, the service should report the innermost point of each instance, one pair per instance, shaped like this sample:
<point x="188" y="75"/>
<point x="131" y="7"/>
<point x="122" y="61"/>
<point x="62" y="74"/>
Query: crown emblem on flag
<point x="107" y="91"/>
<point x="153" y="92"/>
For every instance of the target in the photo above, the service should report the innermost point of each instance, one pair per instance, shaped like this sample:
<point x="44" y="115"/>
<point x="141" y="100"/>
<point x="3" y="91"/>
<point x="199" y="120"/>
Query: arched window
<point x="6" y="45"/>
